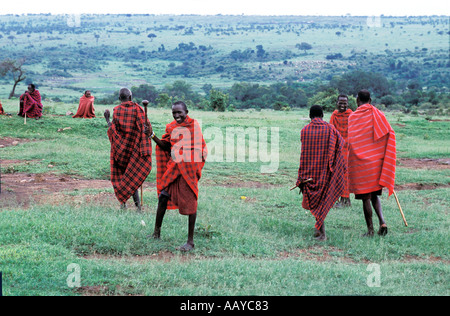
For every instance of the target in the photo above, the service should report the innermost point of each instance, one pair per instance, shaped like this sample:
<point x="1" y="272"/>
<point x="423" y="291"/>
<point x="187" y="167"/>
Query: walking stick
<point x="304" y="181"/>
<point x="25" y="121"/>
<point x="400" y="208"/>
<point x="145" y="103"/>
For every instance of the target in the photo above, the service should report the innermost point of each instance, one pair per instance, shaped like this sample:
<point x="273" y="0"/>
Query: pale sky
<point x="233" y="7"/>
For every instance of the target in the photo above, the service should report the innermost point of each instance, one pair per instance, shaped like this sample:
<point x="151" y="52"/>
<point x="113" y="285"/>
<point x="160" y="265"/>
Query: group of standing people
<point x="354" y="153"/>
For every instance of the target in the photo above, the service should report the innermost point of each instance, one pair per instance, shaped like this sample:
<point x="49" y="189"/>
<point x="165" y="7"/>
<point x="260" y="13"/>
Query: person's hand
<point x="107" y="115"/>
<point x="148" y="130"/>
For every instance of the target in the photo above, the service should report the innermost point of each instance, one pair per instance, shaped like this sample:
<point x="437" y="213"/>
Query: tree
<point x="303" y="46"/>
<point x="14" y="67"/>
<point x="218" y="100"/>
<point x="151" y="36"/>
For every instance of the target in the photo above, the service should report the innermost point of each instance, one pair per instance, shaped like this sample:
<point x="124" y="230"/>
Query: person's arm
<point x="161" y="143"/>
<point x="107" y="116"/>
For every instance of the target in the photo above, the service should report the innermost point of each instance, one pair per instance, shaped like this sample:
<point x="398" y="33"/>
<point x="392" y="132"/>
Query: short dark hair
<point x="315" y="111"/>
<point x="124" y="94"/>
<point x="182" y="104"/>
<point x="343" y="96"/>
<point x="33" y="86"/>
<point x="364" y="96"/>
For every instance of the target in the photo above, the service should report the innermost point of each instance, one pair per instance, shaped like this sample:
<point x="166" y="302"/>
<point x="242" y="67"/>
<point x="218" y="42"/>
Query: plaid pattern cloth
<point x="32" y="105"/>
<point x="187" y="157"/>
<point x="321" y="159"/>
<point x="131" y="150"/>
<point x="340" y="122"/>
<point x="372" y="151"/>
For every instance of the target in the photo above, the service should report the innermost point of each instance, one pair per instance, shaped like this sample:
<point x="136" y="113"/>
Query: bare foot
<point x="186" y="247"/>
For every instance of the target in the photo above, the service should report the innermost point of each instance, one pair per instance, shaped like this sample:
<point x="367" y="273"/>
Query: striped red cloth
<point x="86" y="107"/>
<point x="1" y="110"/>
<point x="321" y="159"/>
<point x="187" y="158"/>
<point x="340" y="121"/>
<point x="372" y="151"/>
<point x="131" y="150"/>
<point x="32" y="104"/>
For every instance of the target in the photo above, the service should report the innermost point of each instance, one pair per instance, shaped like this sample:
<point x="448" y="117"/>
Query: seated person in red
<point x="180" y="156"/>
<point x="30" y="103"/>
<point x="86" y="106"/>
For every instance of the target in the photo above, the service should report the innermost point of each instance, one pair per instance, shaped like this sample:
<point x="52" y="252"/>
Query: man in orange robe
<point x="339" y="119"/>
<point x="86" y="106"/>
<point x="372" y="158"/>
<point x="180" y="157"/>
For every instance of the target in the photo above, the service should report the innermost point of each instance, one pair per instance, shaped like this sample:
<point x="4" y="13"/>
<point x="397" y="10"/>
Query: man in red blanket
<point x="372" y="158"/>
<point x="322" y="161"/>
<point x="131" y="148"/>
<point x="30" y="103"/>
<point x="2" y="112"/>
<point x="339" y="119"/>
<point x="86" y="106"/>
<point x="180" y="156"/>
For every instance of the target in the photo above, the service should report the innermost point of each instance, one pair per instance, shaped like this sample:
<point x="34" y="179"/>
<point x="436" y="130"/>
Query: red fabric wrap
<point x="186" y="160"/>
<point x="131" y="150"/>
<point x="86" y="108"/>
<point x="321" y="159"/>
<point x="372" y="151"/>
<point x="340" y="121"/>
<point x="32" y="104"/>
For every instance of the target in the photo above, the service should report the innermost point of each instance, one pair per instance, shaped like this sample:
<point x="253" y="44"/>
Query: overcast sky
<point x="234" y="7"/>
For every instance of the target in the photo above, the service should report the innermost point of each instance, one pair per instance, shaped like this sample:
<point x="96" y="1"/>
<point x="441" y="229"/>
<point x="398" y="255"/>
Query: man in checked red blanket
<point x="322" y="161"/>
<point x="30" y="103"/>
<point x="339" y="119"/>
<point x="180" y="156"/>
<point x="131" y="148"/>
<point x="372" y="158"/>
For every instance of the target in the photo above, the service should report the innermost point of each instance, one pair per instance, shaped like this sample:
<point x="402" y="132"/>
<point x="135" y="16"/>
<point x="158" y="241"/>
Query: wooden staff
<point x="145" y="103"/>
<point x="304" y="181"/>
<point x="400" y="208"/>
<point x="25" y="121"/>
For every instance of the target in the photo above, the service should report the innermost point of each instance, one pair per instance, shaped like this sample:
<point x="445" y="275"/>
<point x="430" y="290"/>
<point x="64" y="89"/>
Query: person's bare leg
<point x="376" y="203"/>
<point x="189" y="245"/>
<point x="368" y="217"/>
<point x="322" y="235"/>
<point x="136" y="200"/>
<point x="161" y="211"/>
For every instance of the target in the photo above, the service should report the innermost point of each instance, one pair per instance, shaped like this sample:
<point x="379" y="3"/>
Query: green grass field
<point x="259" y="245"/>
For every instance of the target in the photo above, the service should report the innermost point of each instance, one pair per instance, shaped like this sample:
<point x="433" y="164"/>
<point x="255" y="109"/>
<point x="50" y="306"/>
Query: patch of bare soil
<point x="424" y="163"/>
<point x="11" y="141"/>
<point x="164" y="256"/>
<point x="21" y="189"/>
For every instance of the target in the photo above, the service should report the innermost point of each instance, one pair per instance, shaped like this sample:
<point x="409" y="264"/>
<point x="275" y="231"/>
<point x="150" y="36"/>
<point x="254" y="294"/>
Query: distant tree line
<point x="285" y="96"/>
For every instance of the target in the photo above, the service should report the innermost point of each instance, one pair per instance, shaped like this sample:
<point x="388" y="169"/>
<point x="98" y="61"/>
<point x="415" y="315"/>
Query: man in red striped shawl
<point x="322" y="161"/>
<point x="339" y="119"/>
<point x="372" y="158"/>
<point x="180" y="157"/>
<point x="131" y="148"/>
<point x="30" y="103"/>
